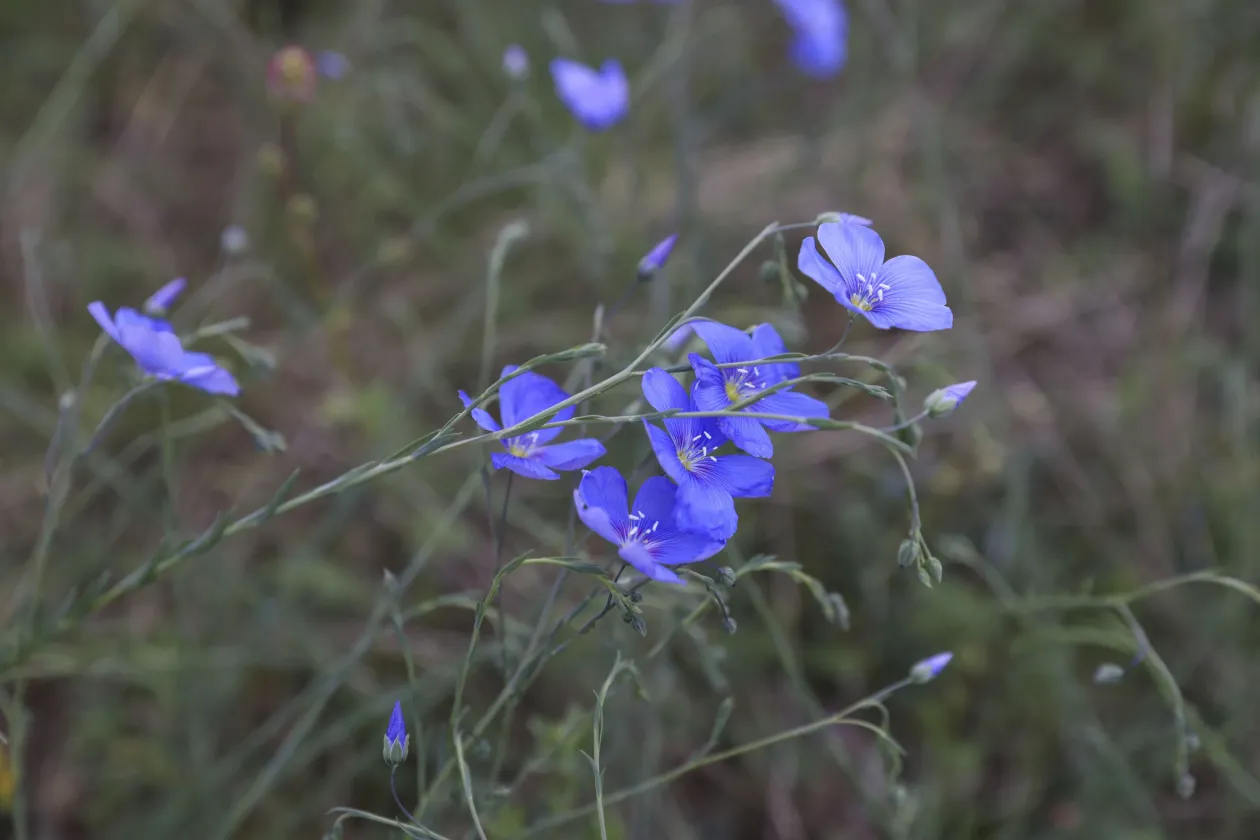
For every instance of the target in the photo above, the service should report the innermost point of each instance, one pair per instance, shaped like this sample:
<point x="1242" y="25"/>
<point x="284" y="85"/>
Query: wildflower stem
<point x="393" y="788"/>
<point x="542" y="827"/>
<point x="843" y="335"/>
<point x="500" y="538"/>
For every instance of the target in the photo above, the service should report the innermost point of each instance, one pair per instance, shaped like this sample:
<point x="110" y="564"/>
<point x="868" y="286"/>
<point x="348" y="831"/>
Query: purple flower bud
<point x="655" y="259"/>
<point x="930" y="668"/>
<point x="161" y="300"/>
<point x="944" y="400"/>
<point x="396" y="738"/>
<point x="516" y="62"/>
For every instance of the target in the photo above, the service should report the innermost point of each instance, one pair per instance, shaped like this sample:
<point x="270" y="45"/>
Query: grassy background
<point x="1081" y="174"/>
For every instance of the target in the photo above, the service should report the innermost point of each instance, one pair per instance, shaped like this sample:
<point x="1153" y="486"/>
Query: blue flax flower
<point x="598" y="98"/>
<point x="820" y="31"/>
<point x="646" y="536"/>
<point x="655" y="259"/>
<point x="929" y="669"/>
<point x="902" y="292"/>
<point x="159" y="353"/>
<point x="528" y="454"/>
<point x="717" y="388"/>
<point x="708" y="483"/>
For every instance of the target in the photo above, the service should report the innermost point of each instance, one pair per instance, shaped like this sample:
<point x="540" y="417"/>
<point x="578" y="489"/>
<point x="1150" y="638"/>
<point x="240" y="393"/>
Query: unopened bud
<point x="908" y="552"/>
<point x="944" y="400"/>
<point x="726" y="575"/>
<point x="1107" y="673"/>
<point x="729" y="625"/>
<point x="928" y="669"/>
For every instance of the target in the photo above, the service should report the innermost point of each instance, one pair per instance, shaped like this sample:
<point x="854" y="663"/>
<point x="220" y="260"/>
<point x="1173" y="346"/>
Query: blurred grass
<point x="1082" y="175"/>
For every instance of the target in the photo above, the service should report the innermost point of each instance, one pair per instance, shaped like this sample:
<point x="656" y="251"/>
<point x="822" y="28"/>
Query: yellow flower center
<point x="862" y="302"/>
<point x="732" y="390"/>
<point x="518" y="450"/>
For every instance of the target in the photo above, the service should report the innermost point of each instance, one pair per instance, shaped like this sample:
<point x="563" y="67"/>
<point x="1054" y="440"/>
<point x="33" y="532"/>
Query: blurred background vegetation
<point x="1082" y="174"/>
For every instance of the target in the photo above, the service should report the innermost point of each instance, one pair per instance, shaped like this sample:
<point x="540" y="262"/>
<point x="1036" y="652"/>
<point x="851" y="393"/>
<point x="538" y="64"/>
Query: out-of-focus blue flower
<point x="529" y="455"/>
<point x="717" y="388"/>
<point x="708" y="483"/>
<point x="516" y="62"/>
<point x="396" y="738"/>
<point x="654" y="260"/>
<point x="646" y="536"/>
<point x="159" y="353"/>
<point x="820" y="32"/>
<point x="902" y="292"/>
<point x="599" y="99"/>
<point x="160" y="301"/>
<point x="928" y="669"/>
<point x="332" y="64"/>
<point x="944" y="400"/>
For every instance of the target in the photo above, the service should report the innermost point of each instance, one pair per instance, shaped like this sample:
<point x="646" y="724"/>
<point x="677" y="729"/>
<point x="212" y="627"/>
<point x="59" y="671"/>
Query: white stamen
<point x="708" y="436"/>
<point x="655" y="525"/>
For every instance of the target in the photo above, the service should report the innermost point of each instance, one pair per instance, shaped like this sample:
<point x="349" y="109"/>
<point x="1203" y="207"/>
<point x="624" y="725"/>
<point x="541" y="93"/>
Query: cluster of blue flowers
<point x="688" y="514"/>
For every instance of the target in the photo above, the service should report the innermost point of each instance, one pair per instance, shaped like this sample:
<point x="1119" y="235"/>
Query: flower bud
<point x="516" y="63"/>
<point x="1107" y="673"/>
<point x="928" y="669"/>
<point x="908" y="552"/>
<point x="729" y="625"/>
<point x="943" y="401"/>
<point x="397" y="741"/>
<point x="726" y="575"/>
<point x="654" y="260"/>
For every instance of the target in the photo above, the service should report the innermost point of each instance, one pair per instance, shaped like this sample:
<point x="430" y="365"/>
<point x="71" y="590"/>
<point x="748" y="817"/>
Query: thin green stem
<point x="839" y="718"/>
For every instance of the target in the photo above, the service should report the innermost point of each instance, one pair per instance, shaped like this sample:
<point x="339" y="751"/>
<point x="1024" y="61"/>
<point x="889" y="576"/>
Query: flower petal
<point x="726" y="343"/>
<point x="674" y="548"/>
<point x="854" y="250"/>
<point x="600" y="499"/>
<point x="98" y="311"/>
<point x="748" y="434"/>
<point x="156" y="352"/>
<point x="708" y="375"/>
<point x="666" y="450"/>
<point x="914" y="299"/>
<point x="598" y="99"/>
<point x="480" y="416"/>
<point x="212" y="380"/>
<point x="655" y="502"/>
<point x="742" y="476"/>
<point x="637" y="555"/>
<point x="792" y="404"/>
<point x="767" y="342"/>
<point x="527" y="467"/>
<point x="811" y="263"/>
<point x="528" y="394"/>
<point x="161" y="300"/>
<point x="705" y="509"/>
<point x="663" y="392"/>
<point x="572" y="455"/>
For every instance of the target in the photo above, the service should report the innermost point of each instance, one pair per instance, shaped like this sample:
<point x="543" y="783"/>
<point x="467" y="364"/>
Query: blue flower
<point x="646" y="537"/>
<point x="397" y="740"/>
<point x="159" y="353"/>
<point x="654" y="260"/>
<point x="944" y="400"/>
<point x="516" y="62"/>
<point x="598" y="98"/>
<point x="707" y="483"/>
<point x="520" y="399"/>
<point x="820" y="30"/>
<point x="161" y="300"/>
<point x="717" y="388"/>
<point x="902" y="292"/>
